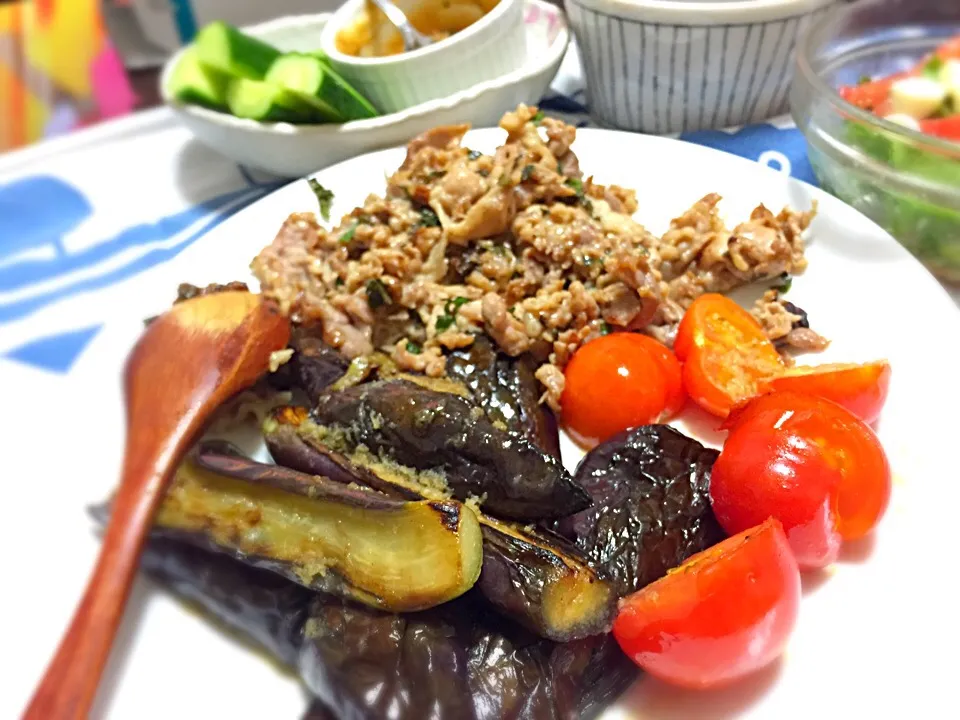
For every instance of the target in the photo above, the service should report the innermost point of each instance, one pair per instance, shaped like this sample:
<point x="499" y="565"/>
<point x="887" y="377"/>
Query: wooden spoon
<point x="186" y="363"/>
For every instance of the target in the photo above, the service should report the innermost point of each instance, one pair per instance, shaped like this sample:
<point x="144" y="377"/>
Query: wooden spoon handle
<point x="68" y="688"/>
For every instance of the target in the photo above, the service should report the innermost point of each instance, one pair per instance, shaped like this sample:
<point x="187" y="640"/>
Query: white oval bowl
<point x="666" y="66"/>
<point x="493" y="46"/>
<point x="294" y="150"/>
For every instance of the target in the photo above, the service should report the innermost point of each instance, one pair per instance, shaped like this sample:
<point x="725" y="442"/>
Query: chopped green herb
<point x="604" y="329"/>
<point x="324" y="197"/>
<point x="538" y="118"/>
<point x="339" y="282"/>
<point x="587" y="205"/>
<point x="377" y="294"/>
<point x="559" y="169"/>
<point x="483" y="172"/>
<point x="474" y="154"/>
<point x="449" y="312"/>
<point x="434" y="174"/>
<point x="511" y="309"/>
<point x="504" y="180"/>
<point x="453" y="304"/>
<point x="413" y="348"/>
<point x="500" y="250"/>
<point x="785" y="282"/>
<point x="526" y="173"/>
<point x="864" y="79"/>
<point x="428" y="218"/>
<point x="933" y="67"/>
<point x="347" y="235"/>
<point x="364" y="219"/>
<point x="576" y="184"/>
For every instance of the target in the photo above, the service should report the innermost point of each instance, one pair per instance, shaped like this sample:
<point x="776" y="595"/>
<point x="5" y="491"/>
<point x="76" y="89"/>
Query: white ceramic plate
<point x="877" y="632"/>
<point x="294" y="150"/>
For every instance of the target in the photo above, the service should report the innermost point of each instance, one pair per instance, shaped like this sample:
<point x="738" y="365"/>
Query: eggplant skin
<point x="348" y="540"/>
<point x="445" y="434"/>
<point x="544" y="583"/>
<point x="535" y="577"/>
<point x="507" y="391"/>
<point x="458" y="661"/>
<point x="261" y="607"/>
<point x="313" y="367"/>
<point x="651" y="506"/>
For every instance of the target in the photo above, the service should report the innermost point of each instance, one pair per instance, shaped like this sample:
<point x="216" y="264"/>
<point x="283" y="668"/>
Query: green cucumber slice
<point x="262" y="101"/>
<point x="319" y="85"/>
<point x="225" y="48"/>
<point x="194" y="83"/>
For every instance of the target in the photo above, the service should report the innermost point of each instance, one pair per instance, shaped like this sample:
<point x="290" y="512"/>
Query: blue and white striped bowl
<point x="667" y="66"/>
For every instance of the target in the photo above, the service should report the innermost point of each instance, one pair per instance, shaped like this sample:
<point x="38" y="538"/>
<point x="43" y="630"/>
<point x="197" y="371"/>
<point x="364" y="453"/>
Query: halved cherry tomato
<point x="947" y="127"/>
<point x="726" y="612"/>
<point x="808" y="462"/>
<point x="611" y="384"/>
<point x="861" y="389"/>
<point x="725" y="353"/>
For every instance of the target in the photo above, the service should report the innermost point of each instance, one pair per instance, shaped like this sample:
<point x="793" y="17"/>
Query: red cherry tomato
<point x="611" y="384"/>
<point x="947" y="128"/>
<point x="873" y="94"/>
<point x="725" y="613"/>
<point x="725" y="353"/>
<point x="672" y="372"/>
<point x="861" y="389"/>
<point x="808" y="462"/>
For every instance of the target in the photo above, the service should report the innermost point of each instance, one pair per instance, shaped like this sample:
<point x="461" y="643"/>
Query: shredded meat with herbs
<point x="520" y="246"/>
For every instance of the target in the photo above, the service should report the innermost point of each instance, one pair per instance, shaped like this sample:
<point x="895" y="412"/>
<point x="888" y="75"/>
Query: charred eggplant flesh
<point x="347" y="540"/>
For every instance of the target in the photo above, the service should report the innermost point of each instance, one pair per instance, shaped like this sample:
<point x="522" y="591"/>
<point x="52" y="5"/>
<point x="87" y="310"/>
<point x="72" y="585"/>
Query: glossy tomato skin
<point x="723" y="614"/>
<point x="671" y="371"/>
<point x="611" y="383"/>
<point x="725" y="353"/>
<point x="861" y="389"/>
<point x="806" y="461"/>
<point x="784" y="476"/>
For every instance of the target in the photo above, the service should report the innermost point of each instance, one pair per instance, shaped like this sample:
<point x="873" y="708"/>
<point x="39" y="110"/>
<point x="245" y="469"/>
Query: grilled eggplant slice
<point x="447" y="435"/>
<point x="458" y="661"/>
<point x="348" y="540"/>
<point x="543" y="582"/>
<point x="535" y="577"/>
<point x="507" y="391"/>
<point x="314" y="365"/>
<point x="651" y="506"/>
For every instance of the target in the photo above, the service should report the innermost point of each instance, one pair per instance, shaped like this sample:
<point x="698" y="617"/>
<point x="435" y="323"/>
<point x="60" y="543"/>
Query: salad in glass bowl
<point x="877" y="95"/>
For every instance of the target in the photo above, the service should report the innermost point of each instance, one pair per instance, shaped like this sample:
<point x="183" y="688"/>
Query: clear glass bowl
<point x="907" y="182"/>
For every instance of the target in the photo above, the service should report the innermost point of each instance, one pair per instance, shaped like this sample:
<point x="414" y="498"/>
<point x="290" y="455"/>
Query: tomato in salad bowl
<point x="875" y="95"/>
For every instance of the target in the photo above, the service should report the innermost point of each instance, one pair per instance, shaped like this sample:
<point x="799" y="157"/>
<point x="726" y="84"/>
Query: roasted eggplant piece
<point x="651" y="506"/>
<point x="347" y="540"/>
<point x="261" y="607"/>
<point x="543" y="582"/>
<point x="458" y="661"/>
<point x="532" y="576"/>
<point x="507" y="391"/>
<point x="314" y="366"/>
<point x="448" y="436"/>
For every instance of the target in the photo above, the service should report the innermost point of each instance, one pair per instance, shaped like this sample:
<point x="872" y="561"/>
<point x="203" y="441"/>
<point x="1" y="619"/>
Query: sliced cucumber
<point x="259" y="100"/>
<point x="193" y="82"/>
<point x="310" y="78"/>
<point x="225" y="48"/>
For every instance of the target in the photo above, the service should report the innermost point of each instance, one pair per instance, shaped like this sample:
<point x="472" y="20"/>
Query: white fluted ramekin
<point x="666" y="66"/>
<point x="492" y="47"/>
